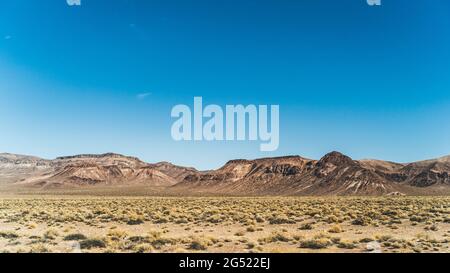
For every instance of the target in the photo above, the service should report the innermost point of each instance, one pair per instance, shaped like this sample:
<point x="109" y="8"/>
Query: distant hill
<point x="86" y="170"/>
<point x="334" y="174"/>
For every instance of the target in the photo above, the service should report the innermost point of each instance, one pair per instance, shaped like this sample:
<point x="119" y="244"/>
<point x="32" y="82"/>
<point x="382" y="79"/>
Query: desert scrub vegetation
<point x="275" y="237"/>
<point x="8" y="235"/>
<point x="75" y="237"/>
<point x="245" y="211"/>
<point x="335" y="229"/>
<point x="316" y="243"/>
<point x="51" y="234"/>
<point x="160" y="224"/>
<point x="199" y="244"/>
<point x="92" y="243"/>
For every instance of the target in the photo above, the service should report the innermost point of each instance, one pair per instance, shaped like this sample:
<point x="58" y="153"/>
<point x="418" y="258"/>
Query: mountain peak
<point x="336" y="158"/>
<point x="335" y="173"/>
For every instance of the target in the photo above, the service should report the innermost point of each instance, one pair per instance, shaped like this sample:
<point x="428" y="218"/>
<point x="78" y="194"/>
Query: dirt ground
<point x="224" y="224"/>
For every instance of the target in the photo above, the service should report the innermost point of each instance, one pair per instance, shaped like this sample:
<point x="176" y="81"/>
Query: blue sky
<point x="371" y="82"/>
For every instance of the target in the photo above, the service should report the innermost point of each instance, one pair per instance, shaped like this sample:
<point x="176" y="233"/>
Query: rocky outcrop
<point x="333" y="174"/>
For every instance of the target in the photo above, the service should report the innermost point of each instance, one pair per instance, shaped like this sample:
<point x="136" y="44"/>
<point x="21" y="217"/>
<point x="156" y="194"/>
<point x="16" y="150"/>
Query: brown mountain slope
<point x="261" y="176"/>
<point x="17" y="167"/>
<point x="105" y="169"/>
<point x="334" y="174"/>
<point x="427" y="173"/>
<point x="176" y="172"/>
<point x="380" y="165"/>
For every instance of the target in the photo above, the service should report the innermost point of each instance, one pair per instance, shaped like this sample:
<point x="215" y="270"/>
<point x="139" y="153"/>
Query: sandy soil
<point x="214" y="224"/>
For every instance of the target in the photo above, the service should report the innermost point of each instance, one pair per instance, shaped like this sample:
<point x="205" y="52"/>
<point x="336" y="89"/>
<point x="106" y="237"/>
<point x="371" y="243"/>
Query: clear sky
<point x="371" y="82"/>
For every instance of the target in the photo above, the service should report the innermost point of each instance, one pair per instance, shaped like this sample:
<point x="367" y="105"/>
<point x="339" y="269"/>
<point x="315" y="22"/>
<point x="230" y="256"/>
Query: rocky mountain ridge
<point x="333" y="174"/>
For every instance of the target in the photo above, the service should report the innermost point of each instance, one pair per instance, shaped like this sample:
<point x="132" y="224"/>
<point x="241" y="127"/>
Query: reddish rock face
<point x="86" y="170"/>
<point x="333" y="174"/>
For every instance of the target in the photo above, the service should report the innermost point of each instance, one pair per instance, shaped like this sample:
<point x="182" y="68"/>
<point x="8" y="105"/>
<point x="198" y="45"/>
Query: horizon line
<point x="235" y="159"/>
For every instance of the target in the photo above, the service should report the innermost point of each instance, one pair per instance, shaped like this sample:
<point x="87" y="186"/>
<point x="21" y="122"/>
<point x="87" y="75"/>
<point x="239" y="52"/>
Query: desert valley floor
<point x="116" y="203"/>
<point x="74" y="223"/>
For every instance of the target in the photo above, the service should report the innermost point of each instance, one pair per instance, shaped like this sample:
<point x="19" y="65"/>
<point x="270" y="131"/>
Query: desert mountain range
<point x="333" y="174"/>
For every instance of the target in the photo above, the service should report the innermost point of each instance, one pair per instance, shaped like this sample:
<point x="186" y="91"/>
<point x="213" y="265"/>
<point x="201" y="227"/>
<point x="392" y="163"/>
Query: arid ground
<point x="224" y="224"/>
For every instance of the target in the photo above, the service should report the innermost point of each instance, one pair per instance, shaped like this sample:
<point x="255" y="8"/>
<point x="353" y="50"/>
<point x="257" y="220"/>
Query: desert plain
<point x="150" y="224"/>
